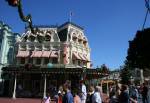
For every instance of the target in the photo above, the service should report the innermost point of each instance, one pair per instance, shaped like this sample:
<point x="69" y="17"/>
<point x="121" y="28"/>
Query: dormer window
<point x="80" y="39"/>
<point x="40" y="38"/>
<point x="47" y="38"/>
<point x="32" y="38"/>
<point x="85" y="43"/>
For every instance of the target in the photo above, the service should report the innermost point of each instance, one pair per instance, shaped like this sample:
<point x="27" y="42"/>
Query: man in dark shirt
<point x="68" y="98"/>
<point x="124" y="95"/>
<point x="144" y="93"/>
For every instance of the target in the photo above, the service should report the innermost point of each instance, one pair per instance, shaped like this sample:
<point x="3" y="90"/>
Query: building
<point x="47" y="59"/>
<point x="64" y="46"/>
<point x="7" y="41"/>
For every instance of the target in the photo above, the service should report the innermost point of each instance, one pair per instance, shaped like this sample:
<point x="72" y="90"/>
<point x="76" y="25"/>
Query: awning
<point x="23" y="54"/>
<point x="82" y="58"/>
<point x="76" y="55"/>
<point x="86" y="57"/>
<point x="54" y="54"/>
<point x="36" y="54"/>
<point x="46" y="54"/>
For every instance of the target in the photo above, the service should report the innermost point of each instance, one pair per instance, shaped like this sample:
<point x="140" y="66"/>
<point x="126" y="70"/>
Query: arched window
<point x="31" y="38"/>
<point x="80" y="39"/>
<point x="74" y="37"/>
<point x="40" y="38"/>
<point x="47" y="38"/>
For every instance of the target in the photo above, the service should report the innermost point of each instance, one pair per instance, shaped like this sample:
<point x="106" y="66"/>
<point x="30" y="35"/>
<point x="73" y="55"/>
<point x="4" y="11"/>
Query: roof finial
<point x="70" y="16"/>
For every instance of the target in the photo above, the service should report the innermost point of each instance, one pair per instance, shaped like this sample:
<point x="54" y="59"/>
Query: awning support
<point x="44" y="94"/>
<point x="14" y="92"/>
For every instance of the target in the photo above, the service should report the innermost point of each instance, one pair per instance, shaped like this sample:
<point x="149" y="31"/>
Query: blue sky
<point x="108" y="24"/>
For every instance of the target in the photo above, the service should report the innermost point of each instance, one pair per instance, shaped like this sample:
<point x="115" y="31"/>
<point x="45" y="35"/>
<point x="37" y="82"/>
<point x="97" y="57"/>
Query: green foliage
<point x="139" y="50"/>
<point x="103" y="69"/>
<point x="125" y="75"/>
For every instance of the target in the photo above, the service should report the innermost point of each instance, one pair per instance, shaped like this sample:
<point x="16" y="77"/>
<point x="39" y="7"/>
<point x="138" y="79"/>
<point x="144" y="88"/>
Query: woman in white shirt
<point x="97" y="95"/>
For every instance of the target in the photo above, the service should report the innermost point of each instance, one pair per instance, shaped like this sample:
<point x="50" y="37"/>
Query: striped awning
<point x="46" y="54"/>
<point x="22" y="54"/>
<point x="82" y="57"/>
<point x="54" y="54"/>
<point x="86" y="58"/>
<point x="36" y="53"/>
<point x="75" y="55"/>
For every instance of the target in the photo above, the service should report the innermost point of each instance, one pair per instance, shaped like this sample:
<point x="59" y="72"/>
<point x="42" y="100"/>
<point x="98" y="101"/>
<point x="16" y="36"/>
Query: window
<point x="54" y="60"/>
<point x="46" y="60"/>
<point x="22" y="61"/>
<point x="73" y="61"/>
<point x="38" y="61"/>
<point x="30" y="60"/>
<point x="32" y="38"/>
<point x="79" y="63"/>
<point x="47" y="38"/>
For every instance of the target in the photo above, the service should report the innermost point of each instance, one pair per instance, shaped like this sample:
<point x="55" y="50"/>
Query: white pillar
<point x="142" y="77"/>
<point x="14" y="92"/>
<point x="107" y="89"/>
<point x="44" y="94"/>
<point x="102" y="85"/>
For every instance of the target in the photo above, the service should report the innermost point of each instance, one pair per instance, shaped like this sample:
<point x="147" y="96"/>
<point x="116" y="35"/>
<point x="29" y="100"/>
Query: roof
<point x="45" y="26"/>
<point x="66" y="23"/>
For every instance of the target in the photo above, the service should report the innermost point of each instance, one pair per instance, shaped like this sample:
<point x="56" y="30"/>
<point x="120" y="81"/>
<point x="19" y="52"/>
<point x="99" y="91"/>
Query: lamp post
<point x="28" y="18"/>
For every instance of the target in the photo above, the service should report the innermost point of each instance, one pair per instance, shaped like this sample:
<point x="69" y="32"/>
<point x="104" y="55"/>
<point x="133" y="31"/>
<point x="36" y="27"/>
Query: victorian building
<point x="64" y="46"/>
<point x="46" y="59"/>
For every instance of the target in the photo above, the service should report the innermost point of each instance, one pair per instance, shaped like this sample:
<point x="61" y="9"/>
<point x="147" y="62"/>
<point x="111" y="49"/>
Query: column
<point x="107" y="88"/>
<point x="102" y="85"/>
<point x="44" y="94"/>
<point x="14" y="92"/>
<point x="142" y="77"/>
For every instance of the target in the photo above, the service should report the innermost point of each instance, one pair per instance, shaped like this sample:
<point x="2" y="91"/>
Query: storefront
<point x="36" y="82"/>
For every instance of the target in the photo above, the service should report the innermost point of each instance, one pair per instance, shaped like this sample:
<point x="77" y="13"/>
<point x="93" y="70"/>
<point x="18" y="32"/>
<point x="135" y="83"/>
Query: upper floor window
<point x="30" y="60"/>
<point x="22" y="61"/>
<point x="79" y="63"/>
<point x="73" y="61"/>
<point x="38" y="61"/>
<point x="85" y="43"/>
<point x="31" y="38"/>
<point x="40" y="38"/>
<point x="46" y="60"/>
<point x="54" y="60"/>
<point x="47" y="38"/>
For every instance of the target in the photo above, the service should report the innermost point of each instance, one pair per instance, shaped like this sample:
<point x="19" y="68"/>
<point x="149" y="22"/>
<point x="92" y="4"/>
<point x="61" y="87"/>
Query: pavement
<point x="21" y="100"/>
<point x="36" y="100"/>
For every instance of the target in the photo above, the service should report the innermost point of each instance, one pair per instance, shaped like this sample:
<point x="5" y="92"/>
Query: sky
<point x="108" y="24"/>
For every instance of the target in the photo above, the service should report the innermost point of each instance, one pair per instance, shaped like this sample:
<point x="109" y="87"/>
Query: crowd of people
<point x="118" y="93"/>
<point x="79" y="94"/>
<point x="130" y="94"/>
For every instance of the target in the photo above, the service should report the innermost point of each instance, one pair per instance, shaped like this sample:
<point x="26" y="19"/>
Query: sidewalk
<point x="21" y="100"/>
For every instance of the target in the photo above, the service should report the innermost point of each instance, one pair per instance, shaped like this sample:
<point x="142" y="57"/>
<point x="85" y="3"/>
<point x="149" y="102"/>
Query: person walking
<point x="97" y="95"/>
<point x="83" y="92"/>
<point x="124" y="95"/>
<point x="145" y="93"/>
<point x="68" y="97"/>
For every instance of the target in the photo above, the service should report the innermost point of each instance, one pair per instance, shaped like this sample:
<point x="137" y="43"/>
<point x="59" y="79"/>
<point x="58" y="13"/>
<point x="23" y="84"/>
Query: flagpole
<point x="70" y="15"/>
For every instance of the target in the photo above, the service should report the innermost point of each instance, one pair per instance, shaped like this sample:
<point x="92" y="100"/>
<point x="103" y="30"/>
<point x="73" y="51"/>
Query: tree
<point x="103" y="69"/>
<point x="139" y="50"/>
<point x="125" y="75"/>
